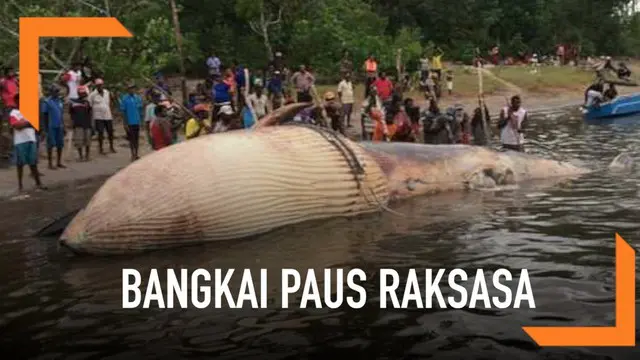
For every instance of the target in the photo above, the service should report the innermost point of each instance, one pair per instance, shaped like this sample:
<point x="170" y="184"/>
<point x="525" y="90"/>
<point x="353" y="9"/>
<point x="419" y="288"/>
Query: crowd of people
<point x="233" y="98"/>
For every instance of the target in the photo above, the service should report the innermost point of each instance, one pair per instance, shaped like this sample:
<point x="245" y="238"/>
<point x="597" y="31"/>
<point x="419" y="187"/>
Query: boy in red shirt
<point x="160" y="129"/>
<point x="384" y="87"/>
<point x="8" y="91"/>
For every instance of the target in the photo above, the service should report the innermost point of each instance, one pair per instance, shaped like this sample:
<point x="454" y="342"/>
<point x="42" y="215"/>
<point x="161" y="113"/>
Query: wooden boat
<point x="620" y="106"/>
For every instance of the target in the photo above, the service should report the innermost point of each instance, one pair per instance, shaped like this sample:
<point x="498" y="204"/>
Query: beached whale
<point x="243" y="183"/>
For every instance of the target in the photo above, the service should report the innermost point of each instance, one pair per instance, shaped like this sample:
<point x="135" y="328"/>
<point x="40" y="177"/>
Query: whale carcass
<point x="243" y="183"/>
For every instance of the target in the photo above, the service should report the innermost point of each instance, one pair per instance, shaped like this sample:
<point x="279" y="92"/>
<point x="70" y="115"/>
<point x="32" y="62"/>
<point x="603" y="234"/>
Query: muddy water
<point x="55" y="305"/>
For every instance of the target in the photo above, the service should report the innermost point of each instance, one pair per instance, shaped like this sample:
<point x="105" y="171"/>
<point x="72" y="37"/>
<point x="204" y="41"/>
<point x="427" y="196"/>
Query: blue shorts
<point x="25" y="153"/>
<point x="55" y="138"/>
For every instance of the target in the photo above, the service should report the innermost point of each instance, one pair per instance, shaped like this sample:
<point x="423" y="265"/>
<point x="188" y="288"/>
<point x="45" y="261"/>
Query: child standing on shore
<point x="449" y="79"/>
<point x="24" y="143"/>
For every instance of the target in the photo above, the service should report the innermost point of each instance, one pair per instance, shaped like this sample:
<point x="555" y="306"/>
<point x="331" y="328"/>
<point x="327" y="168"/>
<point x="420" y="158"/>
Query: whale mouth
<point x="71" y="244"/>
<point x="57" y="226"/>
<point x="74" y="235"/>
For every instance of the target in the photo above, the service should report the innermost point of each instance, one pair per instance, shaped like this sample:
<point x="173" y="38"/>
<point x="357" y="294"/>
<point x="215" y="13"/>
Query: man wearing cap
<point x="131" y="107"/>
<point x="52" y="111"/>
<point x="80" y="111"/>
<point x="100" y="101"/>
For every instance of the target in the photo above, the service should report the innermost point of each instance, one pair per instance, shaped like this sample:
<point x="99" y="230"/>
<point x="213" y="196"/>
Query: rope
<point x="355" y="165"/>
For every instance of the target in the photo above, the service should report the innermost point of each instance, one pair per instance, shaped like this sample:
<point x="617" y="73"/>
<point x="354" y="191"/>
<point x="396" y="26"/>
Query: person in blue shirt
<point x="52" y="110"/>
<point x="240" y="82"/>
<point x="131" y="107"/>
<point x="160" y="84"/>
<point x="221" y="94"/>
<point x="274" y="88"/>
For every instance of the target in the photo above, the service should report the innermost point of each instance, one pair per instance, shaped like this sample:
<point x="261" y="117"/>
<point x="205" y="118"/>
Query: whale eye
<point x="411" y="185"/>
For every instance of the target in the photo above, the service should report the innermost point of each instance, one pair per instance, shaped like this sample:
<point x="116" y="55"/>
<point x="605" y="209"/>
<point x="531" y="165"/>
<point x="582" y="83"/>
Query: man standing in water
<point x="100" y="101"/>
<point x="480" y="137"/>
<point x="24" y="142"/>
<point x="131" y="107"/>
<point x="513" y="119"/>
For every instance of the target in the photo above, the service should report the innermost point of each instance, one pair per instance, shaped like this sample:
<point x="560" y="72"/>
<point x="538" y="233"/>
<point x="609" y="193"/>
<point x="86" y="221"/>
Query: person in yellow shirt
<point x="194" y="126"/>
<point x="436" y="62"/>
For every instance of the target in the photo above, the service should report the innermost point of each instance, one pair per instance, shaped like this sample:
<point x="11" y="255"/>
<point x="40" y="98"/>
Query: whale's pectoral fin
<point x="278" y="115"/>
<point x="489" y="178"/>
<point x="622" y="162"/>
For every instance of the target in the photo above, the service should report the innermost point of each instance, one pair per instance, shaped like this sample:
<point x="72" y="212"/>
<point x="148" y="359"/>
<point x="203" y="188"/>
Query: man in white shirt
<point x="594" y="95"/>
<point x="100" y="101"/>
<point x="512" y="120"/>
<point x="25" y="145"/>
<point x="214" y="64"/>
<point x="258" y="100"/>
<point x="72" y="79"/>
<point x="345" y="93"/>
<point x="425" y="66"/>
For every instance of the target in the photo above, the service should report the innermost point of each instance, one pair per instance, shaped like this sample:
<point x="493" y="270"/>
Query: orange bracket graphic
<point x="32" y="29"/>
<point x="624" y="331"/>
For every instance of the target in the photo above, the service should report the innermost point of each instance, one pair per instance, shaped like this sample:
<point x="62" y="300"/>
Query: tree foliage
<point x="316" y="32"/>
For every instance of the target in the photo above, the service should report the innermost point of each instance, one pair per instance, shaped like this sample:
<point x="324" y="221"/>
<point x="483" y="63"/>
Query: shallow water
<point x="55" y="305"/>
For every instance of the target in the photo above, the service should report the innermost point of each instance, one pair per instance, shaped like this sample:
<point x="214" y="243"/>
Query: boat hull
<point x="621" y="106"/>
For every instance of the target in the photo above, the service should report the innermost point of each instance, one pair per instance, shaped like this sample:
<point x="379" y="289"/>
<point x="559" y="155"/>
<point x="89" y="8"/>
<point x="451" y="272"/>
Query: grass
<point x="546" y="79"/>
<point x="465" y="84"/>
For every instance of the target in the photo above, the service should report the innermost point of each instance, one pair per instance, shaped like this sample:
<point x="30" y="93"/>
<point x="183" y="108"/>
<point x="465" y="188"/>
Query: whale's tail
<point x="622" y="162"/>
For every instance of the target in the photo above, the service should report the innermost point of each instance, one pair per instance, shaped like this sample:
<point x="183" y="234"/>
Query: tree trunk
<point x="110" y="41"/>
<point x="267" y="43"/>
<point x="264" y="26"/>
<point x="176" y="26"/>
